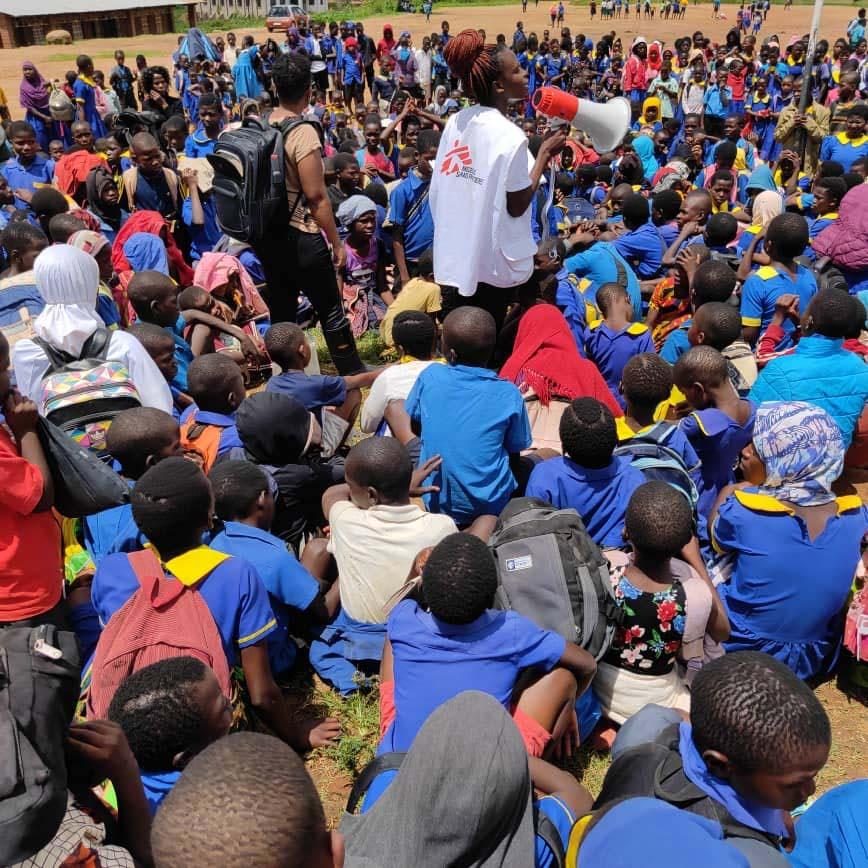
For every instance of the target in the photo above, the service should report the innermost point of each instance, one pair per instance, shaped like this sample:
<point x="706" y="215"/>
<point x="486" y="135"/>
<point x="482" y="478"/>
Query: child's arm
<point x="268" y="701"/>
<point x="202" y="340"/>
<point x="334" y="494"/>
<point x="363" y="381"/>
<point x="577" y="661"/>
<point x="398" y="251"/>
<point x="248" y="347"/>
<point x="717" y="627"/>
<point x="104" y="747"/>
<point x="21" y="417"/>
<point x="552" y="781"/>
<point x="382" y="287"/>
<point x="669" y="257"/>
<point x="190" y="177"/>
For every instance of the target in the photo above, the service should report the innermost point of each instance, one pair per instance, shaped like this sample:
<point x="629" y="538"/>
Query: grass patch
<point x="359" y="715"/>
<point x="232" y="22"/>
<point x="370" y="346"/>
<point x="71" y="56"/>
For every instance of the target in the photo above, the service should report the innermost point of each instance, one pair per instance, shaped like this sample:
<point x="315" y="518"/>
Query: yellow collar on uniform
<point x="192" y="566"/>
<point x="832" y="215"/>
<point x="766" y="503"/>
<point x="87" y="80"/>
<point x="767" y="272"/>
<point x="853" y="143"/>
<point x="408" y="358"/>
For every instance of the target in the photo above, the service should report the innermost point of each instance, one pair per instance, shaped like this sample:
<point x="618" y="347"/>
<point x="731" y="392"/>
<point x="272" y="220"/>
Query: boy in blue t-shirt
<point x="588" y="478"/>
<point x="244" y="502"/>
<point x="172" y="505"/>
<point x="641" y="245"/>
<point x="160" y="346"/>
<point x="719" y="427"/>
<point x="786" y="238"/>
<point x="459" y="642"/>
<point x="474" y="420"/>
<point x="613" y="340"/>
<point x="169" y="711"/>
<point x="334" y="401"/>
<point x="28" y="170"/>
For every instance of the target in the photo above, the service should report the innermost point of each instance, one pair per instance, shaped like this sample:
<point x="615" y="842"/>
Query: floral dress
<point x="652" y="629"/>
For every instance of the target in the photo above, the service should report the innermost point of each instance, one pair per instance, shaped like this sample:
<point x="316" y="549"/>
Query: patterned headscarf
<point x="802" y="450"/>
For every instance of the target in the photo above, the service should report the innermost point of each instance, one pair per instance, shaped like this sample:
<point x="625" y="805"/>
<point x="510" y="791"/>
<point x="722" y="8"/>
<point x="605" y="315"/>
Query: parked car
<point x="281" y="18"/>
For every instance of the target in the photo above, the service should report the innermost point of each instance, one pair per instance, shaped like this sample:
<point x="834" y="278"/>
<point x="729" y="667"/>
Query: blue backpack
<point x="649" y="453"/>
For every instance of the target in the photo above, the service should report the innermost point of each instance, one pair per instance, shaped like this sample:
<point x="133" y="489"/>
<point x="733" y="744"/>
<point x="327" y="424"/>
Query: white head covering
<point x="68" y="280"/>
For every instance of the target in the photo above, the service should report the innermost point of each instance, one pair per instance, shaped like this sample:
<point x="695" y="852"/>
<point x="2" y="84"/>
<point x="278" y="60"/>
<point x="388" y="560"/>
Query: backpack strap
<point x="95" y="347"/>
<point x="150" y="575"/>
<point x="386" y="762"/>
<point x="130" y="180"/>
<point x="548" y="831"/>
<point x="172" y="182"/>
<point x="286" y="128"/>
<point x="621" y="278"/>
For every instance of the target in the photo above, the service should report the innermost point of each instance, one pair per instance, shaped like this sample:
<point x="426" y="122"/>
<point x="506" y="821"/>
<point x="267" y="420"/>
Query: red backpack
<point x="162" y="619"/>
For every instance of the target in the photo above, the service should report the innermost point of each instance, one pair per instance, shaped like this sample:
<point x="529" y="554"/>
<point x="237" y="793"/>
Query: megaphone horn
<point x="606" y="123"/>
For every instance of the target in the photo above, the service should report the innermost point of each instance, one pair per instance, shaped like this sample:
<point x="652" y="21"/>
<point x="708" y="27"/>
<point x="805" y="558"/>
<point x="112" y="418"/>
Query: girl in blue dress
<point x="763" y="109"/>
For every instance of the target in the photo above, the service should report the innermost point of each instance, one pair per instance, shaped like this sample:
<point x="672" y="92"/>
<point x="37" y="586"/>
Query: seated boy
<point x="376" y="534"/>
<point x="244" y="503"/>
<point x="172" y="506"/>
<point x="169" y="711"/>
<point x="475" y="421"/>
<point x="457" y="641"/>
<point x="216" y="385"/>
<point x="587" y="478"/>
<point x="613" y="340"/>
<point x="718" y="324"/>
<point x="641" y="245"/>
<point x="786" y="238"/>
<point x="22" y="242"/>
<point x="420" y="293"/>
<point x="160" y="346"/>
<point x="334" y="401"/>
<point x="415" y="336"/>
<point x="719" y="427"/>
<point x="756" y="741"/>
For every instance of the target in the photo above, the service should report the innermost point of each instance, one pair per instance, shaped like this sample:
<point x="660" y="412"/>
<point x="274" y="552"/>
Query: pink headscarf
<point x="845" y="242"/>
<point x="215" y="270"/>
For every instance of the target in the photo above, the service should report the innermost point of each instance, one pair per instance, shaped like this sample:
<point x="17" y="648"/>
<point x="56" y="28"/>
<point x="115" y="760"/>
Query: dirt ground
<point x="54" y="60"/>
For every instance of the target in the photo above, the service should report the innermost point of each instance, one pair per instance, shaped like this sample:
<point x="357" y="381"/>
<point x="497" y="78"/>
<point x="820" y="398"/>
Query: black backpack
<point x="387" y="762"/>
<point x="551" y="571"/>
<point x="249" y="184"/>
<point x="39" y="685"/>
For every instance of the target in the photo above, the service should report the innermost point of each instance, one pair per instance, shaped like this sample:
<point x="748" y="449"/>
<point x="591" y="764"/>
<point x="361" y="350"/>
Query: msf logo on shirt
<point x="459" y="162"/>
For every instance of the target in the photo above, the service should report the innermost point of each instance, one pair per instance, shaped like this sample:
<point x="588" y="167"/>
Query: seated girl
<point x="795" y="546"/>
<point x="667" y="608"/>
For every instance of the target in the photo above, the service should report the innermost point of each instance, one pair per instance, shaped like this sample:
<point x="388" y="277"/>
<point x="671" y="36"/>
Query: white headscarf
<point x="68" y="280"/>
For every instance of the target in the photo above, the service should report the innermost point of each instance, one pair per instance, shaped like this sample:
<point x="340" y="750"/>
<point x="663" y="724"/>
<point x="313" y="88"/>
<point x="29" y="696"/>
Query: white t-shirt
<point x="374" y="550"/>
<point x="481" y="158"/>
<point x="317" y="64"/>
<point x="394" y="384"/>
<point x="423" y="67"/>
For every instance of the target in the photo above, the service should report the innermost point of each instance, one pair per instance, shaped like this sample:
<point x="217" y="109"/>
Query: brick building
<point x="118" y="18"/>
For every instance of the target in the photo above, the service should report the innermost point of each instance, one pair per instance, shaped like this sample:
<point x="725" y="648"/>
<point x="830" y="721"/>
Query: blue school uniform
<point x="198" y="144"/>
<point x="38" y="173"/>
<point x="418" y="226"/>
<point x="229" y="438"/>
<point x="610" y="350"/>
<point x="153" y="194"/>
<point x="597" y="265"/>
<point x="843" y="150"/>
<point x="112" y="531"/>
<point x="314" y="391"/>
<point x="550" y="67"/>
<point x="435" y="661"/>
<point x="643" y="249"/>
<point x="475" y="421"/>
<point x="763" y="288"/>
<point x="350" y="68"/>
<point x="765" y="127"/>
<point x="290" y="586"/>
<point x="230" y="587"/>
<point x="571" y="303"/>
<point x="202" y="238"/>
<point x="158" y="785"/>
<point x="669" y="232"/>
<point x="85" y="96"/>
<point x="183" y="353"/>
<point x="599" y="495"/>
<point x="717" y="439"/>
<point x="677" y="343"/>
<point x="815" y="227"/>
<point x="787" y="591"/>
<point x="713" y="101"/>
<point x="745" y="241"/>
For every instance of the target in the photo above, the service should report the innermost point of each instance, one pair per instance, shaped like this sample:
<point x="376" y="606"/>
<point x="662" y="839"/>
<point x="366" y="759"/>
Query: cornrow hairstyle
<point x="588" y="432"/>
<point x="659" y="520"/>
<point x="474" y="63"/>
<point x="157" y="710"/>
<point x="208" y="816"/>
<point x="646" y="380"/>
<point x="459" y="579"/>
<point x="755" y="711"/>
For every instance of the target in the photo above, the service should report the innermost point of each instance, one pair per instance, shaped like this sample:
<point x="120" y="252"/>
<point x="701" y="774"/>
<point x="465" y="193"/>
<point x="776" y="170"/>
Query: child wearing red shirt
<point x="31" y="576"/>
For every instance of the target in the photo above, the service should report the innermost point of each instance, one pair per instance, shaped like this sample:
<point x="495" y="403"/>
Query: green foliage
<point x="180" y="21"/>
<point x="359" y="715"/>
<point x="232" y="22"/>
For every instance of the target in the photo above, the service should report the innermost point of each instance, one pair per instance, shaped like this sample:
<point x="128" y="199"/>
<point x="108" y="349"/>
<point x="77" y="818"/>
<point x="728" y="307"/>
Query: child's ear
<point x="231" y="400"/>
<point x="718" y="764"/>
<point x="180" y="759"/>
<point x="452" y="357"/>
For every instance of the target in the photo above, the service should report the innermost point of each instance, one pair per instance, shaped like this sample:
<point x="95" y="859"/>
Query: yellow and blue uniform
<point x="787" y="590"/>
<point x="763" y="288"/>
<point x="815" y="227"/>
<point x="611" y="349"/>
<point x="230" y="587"/>
<point x="39" y="172"/>
<point x="843" y="150"/>
<point x="643" y="248"/>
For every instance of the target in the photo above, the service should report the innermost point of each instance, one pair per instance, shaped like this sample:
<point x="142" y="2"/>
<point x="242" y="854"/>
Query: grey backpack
<point x="551" y="571"/>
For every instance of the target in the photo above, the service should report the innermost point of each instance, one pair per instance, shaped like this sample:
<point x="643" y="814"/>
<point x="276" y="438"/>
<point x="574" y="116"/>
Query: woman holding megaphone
<point x="483" y="182"/>
<point x="484" y="177"/>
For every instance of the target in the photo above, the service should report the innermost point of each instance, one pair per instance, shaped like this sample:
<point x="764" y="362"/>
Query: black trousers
<point x="495" y="299"/>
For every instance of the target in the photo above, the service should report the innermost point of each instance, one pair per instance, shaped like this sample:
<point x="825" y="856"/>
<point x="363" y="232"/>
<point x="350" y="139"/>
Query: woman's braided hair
<point x="474" y="63"/>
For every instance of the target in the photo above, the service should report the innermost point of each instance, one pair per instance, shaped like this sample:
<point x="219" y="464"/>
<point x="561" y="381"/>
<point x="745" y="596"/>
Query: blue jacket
<point x="819" y="371"/>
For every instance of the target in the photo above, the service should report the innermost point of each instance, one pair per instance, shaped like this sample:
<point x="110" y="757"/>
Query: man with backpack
<point x="298" y="258"/>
